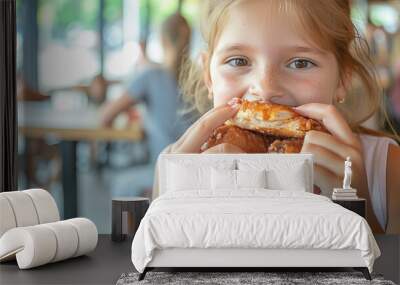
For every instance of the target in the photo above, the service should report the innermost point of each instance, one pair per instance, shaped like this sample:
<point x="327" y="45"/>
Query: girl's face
<point x="268" y="57"/>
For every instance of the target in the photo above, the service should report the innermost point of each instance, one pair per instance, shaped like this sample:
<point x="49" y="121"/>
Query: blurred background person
<point x="156" y="86"/>
<point x="378" y="43"/>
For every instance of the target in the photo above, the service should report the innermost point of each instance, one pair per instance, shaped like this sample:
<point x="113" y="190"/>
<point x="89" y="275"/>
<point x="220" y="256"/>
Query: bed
<point x="247" y="211"/>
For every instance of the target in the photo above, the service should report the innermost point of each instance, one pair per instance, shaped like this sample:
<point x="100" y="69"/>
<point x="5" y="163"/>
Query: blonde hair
<point x="330" y="26"/>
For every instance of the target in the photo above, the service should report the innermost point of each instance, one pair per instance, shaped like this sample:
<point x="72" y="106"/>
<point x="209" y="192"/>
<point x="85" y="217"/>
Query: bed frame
<point x="262" y="260"/>
<point x="249" y="259"/>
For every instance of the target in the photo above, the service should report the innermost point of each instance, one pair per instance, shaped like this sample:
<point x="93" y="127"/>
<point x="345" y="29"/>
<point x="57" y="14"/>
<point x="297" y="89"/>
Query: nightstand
<point x="356" y="205"/>
<point x="135" y="208"/>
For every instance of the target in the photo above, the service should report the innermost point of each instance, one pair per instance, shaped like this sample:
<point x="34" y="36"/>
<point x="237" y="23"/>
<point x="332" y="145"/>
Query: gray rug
<point x="228" y="278"/>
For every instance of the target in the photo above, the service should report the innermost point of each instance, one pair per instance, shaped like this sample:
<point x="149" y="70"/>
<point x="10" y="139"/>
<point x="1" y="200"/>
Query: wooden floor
<point x="103" y="266"/>
<point x="389" y="262"/>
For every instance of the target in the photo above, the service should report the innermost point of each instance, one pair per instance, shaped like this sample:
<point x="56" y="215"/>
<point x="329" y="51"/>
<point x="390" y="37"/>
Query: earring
<point x="340" y="100"/>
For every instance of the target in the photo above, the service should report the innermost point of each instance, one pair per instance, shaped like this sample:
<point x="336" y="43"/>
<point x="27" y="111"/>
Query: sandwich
<point x="262" y="127"/>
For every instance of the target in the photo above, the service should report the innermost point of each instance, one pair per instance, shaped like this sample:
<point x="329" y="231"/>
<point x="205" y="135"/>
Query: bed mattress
<point x="250" y="219"/>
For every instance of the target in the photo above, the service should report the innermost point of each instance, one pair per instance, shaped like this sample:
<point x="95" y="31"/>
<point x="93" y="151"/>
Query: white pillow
<point x="223" y="179"/>
<point x="181" y="177"/>
<point x="251" y="178"/>
<point x="295" y="179"/>
<point x="284" y="171"/>
<point x="226" y="179"/>
<point x="190" y="164"/>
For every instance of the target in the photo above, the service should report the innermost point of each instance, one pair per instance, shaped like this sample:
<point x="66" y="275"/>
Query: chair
<point x="31" y="231"/>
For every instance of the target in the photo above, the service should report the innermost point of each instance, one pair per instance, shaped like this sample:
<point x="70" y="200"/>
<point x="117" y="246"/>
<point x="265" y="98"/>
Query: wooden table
<point x="42" y="120"/>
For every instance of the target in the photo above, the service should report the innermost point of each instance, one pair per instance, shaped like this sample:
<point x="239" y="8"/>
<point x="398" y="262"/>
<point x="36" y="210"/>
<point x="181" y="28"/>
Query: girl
<point x="305" y="54"/>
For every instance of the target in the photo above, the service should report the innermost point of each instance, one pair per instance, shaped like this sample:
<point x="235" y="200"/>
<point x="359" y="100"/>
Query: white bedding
<point x="251" y="218"/>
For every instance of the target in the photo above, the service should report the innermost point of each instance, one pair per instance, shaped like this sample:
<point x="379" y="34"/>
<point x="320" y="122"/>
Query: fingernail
<point x="204" y="146"/>
<point x="235" y="106"/>
<point x="298" y="109"/>
<point x="233" y="101"/>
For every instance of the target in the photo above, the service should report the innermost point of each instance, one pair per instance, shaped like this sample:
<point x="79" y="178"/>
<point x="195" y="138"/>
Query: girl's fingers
<point x="325" y="180"/>
<point x="325" y="158"/>
<point x="224" y="148"/>
<point x="328" y="155"/>
<point x="179" y="142"/>
<point x="332" y="120"/>
<point x="196" y="135"/>
<point x="333" y="145"/>
<point x="202" y="131"/>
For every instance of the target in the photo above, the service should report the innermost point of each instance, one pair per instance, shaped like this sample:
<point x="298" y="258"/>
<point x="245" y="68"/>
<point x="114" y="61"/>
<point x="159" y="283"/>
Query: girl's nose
<point x="266" y="87"/>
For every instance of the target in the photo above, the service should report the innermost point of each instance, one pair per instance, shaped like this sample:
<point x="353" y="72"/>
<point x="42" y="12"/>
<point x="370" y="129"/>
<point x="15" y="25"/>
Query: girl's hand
<point x="330" y="150"/>
<point x="200" y="131"/>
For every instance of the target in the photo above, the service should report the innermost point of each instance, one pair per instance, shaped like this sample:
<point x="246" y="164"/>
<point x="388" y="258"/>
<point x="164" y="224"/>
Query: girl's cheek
<point x="311" y="91"/>
<point x="220" y="100"/>
<point x="226" y="87"/>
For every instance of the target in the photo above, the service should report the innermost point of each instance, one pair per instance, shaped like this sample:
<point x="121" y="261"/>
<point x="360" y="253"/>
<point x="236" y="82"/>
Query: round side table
<point x="135" y="208"/>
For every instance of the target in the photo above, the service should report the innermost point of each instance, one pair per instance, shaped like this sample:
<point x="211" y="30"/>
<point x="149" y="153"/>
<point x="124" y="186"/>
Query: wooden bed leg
<point x="364" y="271"/>
<point x="143" y="274"/>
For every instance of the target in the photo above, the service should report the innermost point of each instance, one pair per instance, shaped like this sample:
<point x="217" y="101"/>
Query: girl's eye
<point x="301" y="64"/>
<point x="238" y="61"/>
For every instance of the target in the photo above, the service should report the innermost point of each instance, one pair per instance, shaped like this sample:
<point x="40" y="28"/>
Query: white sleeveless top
<point x="375" y="158"/>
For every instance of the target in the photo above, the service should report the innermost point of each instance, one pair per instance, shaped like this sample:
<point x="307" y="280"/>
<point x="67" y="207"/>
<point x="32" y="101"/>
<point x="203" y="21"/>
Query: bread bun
<point x="248" y="141"/>
<point x="260" y="127"/>
<point x="272" y="119"/>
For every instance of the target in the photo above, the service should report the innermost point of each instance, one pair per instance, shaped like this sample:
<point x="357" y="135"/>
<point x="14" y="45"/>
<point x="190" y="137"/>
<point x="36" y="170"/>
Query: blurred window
<point x="68" y="42"/>
<point x="386" y="16"/>
<point x="121" y="26"/>
<point x="19" y="35"/>
<point x="190" y="10"/>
